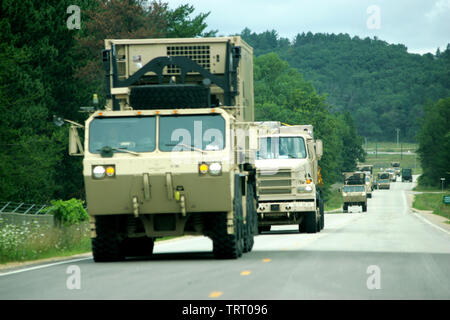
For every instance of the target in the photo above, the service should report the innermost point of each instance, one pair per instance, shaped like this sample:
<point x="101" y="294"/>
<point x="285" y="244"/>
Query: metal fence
<point x="21" y="207"/>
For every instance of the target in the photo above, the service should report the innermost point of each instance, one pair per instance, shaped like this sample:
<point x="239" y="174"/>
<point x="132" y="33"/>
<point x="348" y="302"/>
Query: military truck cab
<point x="288" y="177"/>
<point x="354" y="191"/>
<point x="383" y="180"/>
<point x="407" y="175"/>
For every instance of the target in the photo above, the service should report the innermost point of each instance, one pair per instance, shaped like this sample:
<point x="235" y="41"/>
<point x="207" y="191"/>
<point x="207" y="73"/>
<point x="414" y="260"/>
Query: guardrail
<point x="22" y="207"/>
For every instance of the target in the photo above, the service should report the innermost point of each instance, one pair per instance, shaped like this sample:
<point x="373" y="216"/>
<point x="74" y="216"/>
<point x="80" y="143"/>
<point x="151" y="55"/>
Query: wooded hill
<point x="381" y="85"/>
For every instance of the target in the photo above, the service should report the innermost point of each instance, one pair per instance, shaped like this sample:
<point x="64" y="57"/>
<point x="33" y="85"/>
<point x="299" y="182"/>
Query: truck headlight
<point x="98" y="172"/>
<point x="304" y="189"/>
<point x="215" y="168"/>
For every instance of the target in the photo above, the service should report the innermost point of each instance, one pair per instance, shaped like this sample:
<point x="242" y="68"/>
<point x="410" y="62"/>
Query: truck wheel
<point x="364" y="207"/>
<point x="311" y="224"/>
<point x="264" y="229"/>
<point x="345" y="208"/>
<point x="229" y="246"/>
<point x="322" y="214"/>
<point x="107" y="246"/>
<point x="251" y="220"/>
<point x="138" y="247"/>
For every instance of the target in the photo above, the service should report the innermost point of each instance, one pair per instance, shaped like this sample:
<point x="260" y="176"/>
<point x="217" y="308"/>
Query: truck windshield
<point x="128" y="133"/>
<point x="353" y="189"/>
<point x="282" y="148"/>
<point x="190" y="133"/>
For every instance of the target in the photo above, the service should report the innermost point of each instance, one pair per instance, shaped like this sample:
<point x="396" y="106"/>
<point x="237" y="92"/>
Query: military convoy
<point x="354" y="191"/>
<point x="173" y="152"/>
<point x="287" y="177"/>
<point x="396" y="167"/>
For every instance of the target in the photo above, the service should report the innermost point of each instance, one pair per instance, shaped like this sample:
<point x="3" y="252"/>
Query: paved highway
<point x="386" y="253"/>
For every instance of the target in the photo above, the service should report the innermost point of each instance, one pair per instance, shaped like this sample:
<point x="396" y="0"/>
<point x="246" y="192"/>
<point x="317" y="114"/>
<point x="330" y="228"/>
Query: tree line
<point x="48" y="69"/>
<point x="381" y="85"/>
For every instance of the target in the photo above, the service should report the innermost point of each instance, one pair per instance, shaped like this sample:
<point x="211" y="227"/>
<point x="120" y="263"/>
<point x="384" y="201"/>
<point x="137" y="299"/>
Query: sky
<point x="421" y="25"/>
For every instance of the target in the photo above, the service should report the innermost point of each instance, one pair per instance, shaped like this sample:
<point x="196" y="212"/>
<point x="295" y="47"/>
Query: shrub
<point x="67" y="212"/>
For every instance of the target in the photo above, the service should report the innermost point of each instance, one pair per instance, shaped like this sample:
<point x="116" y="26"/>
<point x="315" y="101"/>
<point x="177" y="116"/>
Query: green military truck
<point x="354" y="191"/>
<point x="407" y="175"/>
<point x="288" y="178"/>
<point x="173" y="151"/>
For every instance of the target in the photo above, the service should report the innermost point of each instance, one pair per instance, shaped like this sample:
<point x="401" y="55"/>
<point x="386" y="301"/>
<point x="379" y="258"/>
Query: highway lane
<point x="385" y="253"/>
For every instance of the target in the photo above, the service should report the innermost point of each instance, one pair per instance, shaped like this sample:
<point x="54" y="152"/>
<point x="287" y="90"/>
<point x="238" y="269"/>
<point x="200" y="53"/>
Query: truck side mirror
<point x="75" y="146"/>
<point x="319" y="149"/>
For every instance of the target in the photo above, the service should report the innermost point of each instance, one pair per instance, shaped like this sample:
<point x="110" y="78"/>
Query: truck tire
<point x="364" y="207"/>
<point x="251" y="219"/>
<point x="311" y="225"/>
<point x="264" y="228"/>
<point x="322" y="215"/>
<point x="345" y="207"/>
<point x="138" y="247"/>
<point x="229" y="246"/>
<point x="107" y="246"/>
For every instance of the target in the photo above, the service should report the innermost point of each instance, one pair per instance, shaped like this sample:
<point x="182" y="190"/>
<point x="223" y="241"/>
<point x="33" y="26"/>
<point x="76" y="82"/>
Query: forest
<point x="381" y="85"/>
<point x="48" y="69"/>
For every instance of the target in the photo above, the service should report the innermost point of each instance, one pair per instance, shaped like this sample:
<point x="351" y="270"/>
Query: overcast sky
<point x="421" y="25"/>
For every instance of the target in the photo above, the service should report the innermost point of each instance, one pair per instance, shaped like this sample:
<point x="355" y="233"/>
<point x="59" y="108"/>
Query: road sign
<point x="446" y="199"/>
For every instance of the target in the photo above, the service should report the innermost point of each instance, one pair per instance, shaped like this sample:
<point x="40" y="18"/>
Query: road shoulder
<point x="435" y="219"/>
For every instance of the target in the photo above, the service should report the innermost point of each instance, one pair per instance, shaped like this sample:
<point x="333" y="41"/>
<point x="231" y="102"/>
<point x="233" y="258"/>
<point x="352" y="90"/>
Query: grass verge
<point x="31" y="241"/>
<point x="334" y="201"/>
<point x="432" y="202"/>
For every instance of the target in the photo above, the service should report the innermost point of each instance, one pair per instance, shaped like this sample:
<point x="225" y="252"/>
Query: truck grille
<point x="199" y="54"/>
<point x="270" y="182"/>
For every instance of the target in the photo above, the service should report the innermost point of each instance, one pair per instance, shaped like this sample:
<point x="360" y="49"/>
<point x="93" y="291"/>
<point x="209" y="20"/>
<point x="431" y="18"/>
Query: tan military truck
<point x="354" y="192"/>
<point x="392" y="174"/>
<point x="383" y="180"/>
<point x="368" y="168"/>
<point x="288" y="177"/>
<point x="172" y="154"/>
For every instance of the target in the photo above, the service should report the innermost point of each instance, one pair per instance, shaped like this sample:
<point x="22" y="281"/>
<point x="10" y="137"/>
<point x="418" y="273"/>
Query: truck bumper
<point x="294" y="206"/>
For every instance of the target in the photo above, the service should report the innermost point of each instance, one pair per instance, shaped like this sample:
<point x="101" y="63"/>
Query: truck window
<point x="353" y="189"/>
<point x="131" y="133"/>
<point x="187" y="133"/>
<point x="282" y="148"/>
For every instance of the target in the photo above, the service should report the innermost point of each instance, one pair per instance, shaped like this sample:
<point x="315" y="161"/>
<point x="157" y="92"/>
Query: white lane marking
<point x="430" y="223"/>
<point x="42" y="266"/>
<point x="408" y="209"/>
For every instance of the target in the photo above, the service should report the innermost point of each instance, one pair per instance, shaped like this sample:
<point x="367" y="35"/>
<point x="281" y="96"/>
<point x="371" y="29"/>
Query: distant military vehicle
<point x="172" y="153"/>
<point x="397" y="169"/>
<point x="369" y="185"/>
<point x="287" y="178"/>
<point x="365" y="168"/>
<point x="383" y="180"/>
<point x="354" y="191"/>
<point x="407" y="175"/>
<point x="392" y="175"/>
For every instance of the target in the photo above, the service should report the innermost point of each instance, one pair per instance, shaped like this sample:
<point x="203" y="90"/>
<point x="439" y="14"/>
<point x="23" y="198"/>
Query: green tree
<point x="434" y="143"/>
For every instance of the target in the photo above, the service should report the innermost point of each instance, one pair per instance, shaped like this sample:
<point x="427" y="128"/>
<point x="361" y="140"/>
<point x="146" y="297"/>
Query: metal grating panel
<point x="279" y="182"/>
<point x="199" y="54"/>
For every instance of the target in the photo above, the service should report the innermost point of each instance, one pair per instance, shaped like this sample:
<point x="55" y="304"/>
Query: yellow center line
<point x="267" y="260"/>
<point x="245" y="273"/>
<point x="215" y="294"/>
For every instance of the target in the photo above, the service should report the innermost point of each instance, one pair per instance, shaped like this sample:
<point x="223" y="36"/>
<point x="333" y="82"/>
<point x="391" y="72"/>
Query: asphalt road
<point x="386" y="253"/>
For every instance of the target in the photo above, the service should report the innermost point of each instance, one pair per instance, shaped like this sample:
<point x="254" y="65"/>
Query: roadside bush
<point x="68" y="212"/>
